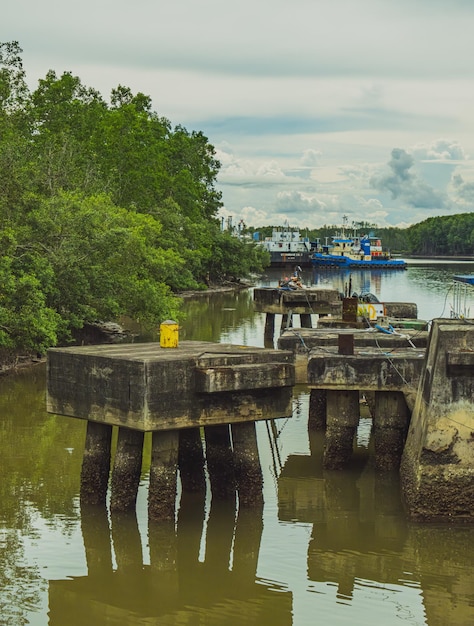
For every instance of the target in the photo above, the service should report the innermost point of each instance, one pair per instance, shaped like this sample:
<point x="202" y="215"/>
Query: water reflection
<point x="338" y="543"/>
<point x="360" y="538"/>
<point x="177" y="586"/>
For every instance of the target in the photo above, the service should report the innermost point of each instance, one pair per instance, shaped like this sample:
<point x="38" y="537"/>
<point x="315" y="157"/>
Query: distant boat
<point x="363" y="252"/>
<point x="287" y="247"/>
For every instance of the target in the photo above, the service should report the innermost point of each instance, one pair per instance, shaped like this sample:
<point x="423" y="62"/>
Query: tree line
<point x="106" y="210"/>
<point x="451" y="235"/>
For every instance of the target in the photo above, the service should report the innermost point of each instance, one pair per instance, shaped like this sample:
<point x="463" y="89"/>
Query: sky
<point x="316" y="108"/>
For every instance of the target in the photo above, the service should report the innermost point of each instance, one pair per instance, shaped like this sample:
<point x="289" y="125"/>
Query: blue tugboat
<point x="354" y="252"/>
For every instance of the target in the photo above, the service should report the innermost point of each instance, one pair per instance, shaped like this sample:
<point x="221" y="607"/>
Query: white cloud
<point x="305" y="100"/>
<point x="440" y="150"/>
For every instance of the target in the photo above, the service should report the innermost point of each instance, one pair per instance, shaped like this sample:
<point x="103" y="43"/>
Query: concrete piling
<point x="220" y="461"/>
<point x="248" y="471"/>
<point x="96" y="463"/>
<point x="342" y="421"/>
<point x="191" y="460"/>
<point x="163" y="475"/>
<point x="391" y="419"/>
<point x="126" y="470"/>
<point x="317" y="410"/>
<point x="269" y="326"/>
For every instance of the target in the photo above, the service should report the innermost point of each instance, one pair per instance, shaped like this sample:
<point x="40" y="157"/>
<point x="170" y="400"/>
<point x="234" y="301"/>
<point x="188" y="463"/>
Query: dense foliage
<point x="451" y="235"/>
<point x="105" y="210"/>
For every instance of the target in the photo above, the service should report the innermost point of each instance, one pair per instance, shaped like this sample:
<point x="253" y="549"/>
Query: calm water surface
<point x="326" y="548"/>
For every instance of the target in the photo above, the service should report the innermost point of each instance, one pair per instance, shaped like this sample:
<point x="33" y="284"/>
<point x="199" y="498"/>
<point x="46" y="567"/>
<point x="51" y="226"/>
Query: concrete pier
<point x="287" y="302"/>
<point x="301" y="341"/>
<point x="336" y="380"/>
<point x="438" y="459"/>
<point x="176" y="393"/>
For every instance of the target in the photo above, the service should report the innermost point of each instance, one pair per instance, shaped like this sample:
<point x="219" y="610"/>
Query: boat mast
<point x="344" y="224"/>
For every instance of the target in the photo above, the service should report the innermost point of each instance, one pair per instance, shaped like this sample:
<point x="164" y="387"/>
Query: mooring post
<point x="390" y="428"/>
<point x="163" y="475"/>
<point x="317" y="410"/>
<point x="96" y="463"/>
<point x="127" y="469"/>
<point x="220" y="461"/>
<point x="191" y="460"/>
<point x="342" y="421"/>
<point x="247" y="463"/>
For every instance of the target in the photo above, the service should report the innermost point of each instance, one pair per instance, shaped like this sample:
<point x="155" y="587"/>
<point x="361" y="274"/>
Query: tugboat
<point x="354" y="252"/>
<point x="287" y="247"/>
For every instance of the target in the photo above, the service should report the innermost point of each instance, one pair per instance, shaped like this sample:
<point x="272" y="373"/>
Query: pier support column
<point x="247" y="464"/>
<point x="191" y="460"/>
<point x="163" y="475"/>
<point x="127" y="469"/>
<point x="286" y="322"/>
<point x="269" y="326"/>
<point x="342" y="421"/>
<point x="96" y="463"/>
<point x="390" y="428"/>
<point x="305" y="320"/>
<point x="317" y="410"/>
<point x="220" y="461"/>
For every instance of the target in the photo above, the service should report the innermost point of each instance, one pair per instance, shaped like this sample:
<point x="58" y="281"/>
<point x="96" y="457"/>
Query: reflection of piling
<point x="196" y="570"/>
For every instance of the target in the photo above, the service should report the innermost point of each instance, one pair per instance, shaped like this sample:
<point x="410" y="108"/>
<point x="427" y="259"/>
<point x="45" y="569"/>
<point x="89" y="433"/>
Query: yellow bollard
<point x="169" y="334"/>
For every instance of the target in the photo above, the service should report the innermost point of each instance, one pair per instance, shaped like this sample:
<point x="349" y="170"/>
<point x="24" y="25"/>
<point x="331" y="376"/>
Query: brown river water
<point x="327" y="547"/>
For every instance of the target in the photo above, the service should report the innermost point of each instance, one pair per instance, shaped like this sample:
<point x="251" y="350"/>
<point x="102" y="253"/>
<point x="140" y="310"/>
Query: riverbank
<point x="222" y="287"/>
<point x="109" y="332"/>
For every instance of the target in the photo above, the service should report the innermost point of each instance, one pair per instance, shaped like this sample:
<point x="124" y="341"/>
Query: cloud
<point x="403" y="183"/>
<point x="311" y="157"/>
<point x="303" y="101"/>
<point x="464" y="190"/>
<point x="440" y="150"/>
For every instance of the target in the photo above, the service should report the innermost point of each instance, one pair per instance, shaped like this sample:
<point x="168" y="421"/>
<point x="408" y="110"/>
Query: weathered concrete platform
<point x="438" y="460"/>
<point x="184" y="394"/>
<point x="390" y="376"/>
<point x="284" y="301"/>
<point x="368" y="369"/>
<point x="302" y="341"/>
<point x="147" y="388"/>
